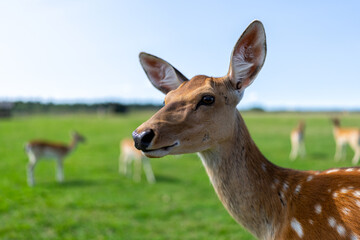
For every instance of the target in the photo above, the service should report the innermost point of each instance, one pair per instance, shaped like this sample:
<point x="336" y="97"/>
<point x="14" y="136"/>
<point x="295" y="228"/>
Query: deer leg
<point x="122" y="164"/>
<point x="60" y="170"/>
<point x="355" y="145"/>
<point x="128" y="169"/>
<point x="356" y="157"/>
<point x="338" y="152"/>
<point x="148" y="170"/>
<point x="30" y="169"/>
<point x="343" y="151"/>
<point x="137" y="169"/>
<point x="294" y="150"/>
<point x="302" y="149"/>
<point x="30" y="173"/>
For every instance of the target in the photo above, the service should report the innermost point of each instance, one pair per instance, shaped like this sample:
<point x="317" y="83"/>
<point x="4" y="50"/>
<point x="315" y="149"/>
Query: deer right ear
<point x="160" y="73"/>
<point x="248" y="56"/>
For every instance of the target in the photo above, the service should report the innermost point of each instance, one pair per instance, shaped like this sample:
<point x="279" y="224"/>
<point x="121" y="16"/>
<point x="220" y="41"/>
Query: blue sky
<point x="66" y="51"/>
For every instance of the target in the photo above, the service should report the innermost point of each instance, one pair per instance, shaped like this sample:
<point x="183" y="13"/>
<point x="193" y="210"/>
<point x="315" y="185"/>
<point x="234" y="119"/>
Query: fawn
<point x="344" y="136"/>
<point x="297" y="141"/>
<point x="129" y="154"/>
<point x="40" y="149"/>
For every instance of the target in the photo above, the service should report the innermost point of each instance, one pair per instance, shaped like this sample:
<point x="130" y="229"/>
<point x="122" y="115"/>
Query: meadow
<point x="95" y="202"/>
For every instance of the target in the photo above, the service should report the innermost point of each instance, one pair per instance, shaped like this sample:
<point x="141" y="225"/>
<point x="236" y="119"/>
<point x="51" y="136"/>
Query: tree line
<point x="21" y="107"/>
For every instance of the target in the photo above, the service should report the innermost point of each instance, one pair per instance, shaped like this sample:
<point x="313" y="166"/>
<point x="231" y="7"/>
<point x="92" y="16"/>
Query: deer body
<point x="278" y="203"/>
<point x="128" y="155"/>
<point x="40" y="149"/>
<point x="344" y="136"/>
<point x="200" y="115"/>
<point x="297" y="141"/>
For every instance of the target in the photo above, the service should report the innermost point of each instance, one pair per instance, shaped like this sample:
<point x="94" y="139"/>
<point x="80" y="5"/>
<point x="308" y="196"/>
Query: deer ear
<point x="248" y="56"/>
<point x="160" y="73"/>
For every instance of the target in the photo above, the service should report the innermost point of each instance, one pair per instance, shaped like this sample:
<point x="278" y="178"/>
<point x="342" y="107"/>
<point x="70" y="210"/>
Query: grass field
<point x="95" y="202"/>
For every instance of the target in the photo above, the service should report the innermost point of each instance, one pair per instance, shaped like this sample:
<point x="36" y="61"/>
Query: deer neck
<point x="72" y="146"/>
<point x="336" y="130"/>
<point x="247" y="183"/>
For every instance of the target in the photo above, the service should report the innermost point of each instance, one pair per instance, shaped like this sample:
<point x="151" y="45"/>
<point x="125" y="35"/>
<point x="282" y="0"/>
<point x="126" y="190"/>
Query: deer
<point x="200" y="116"/>
<point x="41" y="149"/>
<point x="297" y="141"/>
<point x="344" y="136"/>
<point x="128" y="155"/>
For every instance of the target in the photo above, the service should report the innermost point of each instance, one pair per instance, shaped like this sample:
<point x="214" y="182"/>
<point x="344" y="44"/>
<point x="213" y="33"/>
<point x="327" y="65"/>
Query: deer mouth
<point x="160" y="152"/>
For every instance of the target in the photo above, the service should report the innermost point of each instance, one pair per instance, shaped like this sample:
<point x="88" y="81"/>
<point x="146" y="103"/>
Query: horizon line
<point x="244" y="106"/>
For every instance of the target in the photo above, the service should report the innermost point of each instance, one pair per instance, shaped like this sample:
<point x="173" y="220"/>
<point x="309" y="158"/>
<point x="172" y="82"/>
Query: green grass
<point x="95" y="202"/>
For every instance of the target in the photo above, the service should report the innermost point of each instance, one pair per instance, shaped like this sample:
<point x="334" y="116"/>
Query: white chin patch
<point x="161" y="152"/>
<point x="156" y="153"/>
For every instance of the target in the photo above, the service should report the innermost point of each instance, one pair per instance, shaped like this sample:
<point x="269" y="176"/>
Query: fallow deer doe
<point x="297" y="136"/>
<point x="128" y="155"/>
<point x="344" y="136"/>
<point x="200" y="115"/>
<point x="40" y="149"/>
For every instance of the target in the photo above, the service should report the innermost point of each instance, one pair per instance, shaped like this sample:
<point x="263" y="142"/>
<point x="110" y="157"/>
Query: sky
<point x="87" y="51"/>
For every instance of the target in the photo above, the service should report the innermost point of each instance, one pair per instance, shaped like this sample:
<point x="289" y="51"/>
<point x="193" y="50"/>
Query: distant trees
<point x="5" y="109"/>
<point x="21" y="107"/>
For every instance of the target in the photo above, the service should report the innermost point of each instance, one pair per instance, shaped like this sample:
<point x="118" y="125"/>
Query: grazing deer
<point x="129" y="154"/>
<point x="344" y="136"/>
<point x="39" y="149"/>
<point x="297" y="141"/>
<point x="272" y="202"/>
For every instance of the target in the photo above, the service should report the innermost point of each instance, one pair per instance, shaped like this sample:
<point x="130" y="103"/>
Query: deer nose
<point x="142" y="140"/>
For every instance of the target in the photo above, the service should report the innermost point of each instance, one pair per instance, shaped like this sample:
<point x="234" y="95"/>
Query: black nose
<point x="142" y="140"/>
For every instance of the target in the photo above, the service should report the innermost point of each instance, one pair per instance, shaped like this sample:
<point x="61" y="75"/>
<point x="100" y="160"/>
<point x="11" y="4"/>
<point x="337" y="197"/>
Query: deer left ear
<point x="248" y="56"/>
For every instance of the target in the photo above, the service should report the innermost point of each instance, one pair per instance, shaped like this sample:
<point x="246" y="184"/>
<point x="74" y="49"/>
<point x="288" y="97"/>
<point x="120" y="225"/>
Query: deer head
<point x="199" y="113"/>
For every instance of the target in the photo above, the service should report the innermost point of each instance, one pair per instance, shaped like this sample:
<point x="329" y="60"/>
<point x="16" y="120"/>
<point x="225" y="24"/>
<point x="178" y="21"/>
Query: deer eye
<point x="207" y="100"/>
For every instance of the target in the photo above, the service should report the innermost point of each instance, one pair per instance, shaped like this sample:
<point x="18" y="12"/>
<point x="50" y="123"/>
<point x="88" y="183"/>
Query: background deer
<point x="297" y="141"/>
<point x="39" y="149"/>
<point x="128" y="155"/>
<point x="344" y="136"/>
<point x="200" y="115"/>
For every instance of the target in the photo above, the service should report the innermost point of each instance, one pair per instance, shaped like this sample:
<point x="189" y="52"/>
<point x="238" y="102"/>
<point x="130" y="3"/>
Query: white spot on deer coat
<point x="346" y="211"/>
<point x="344" y="190"/>
<point x="309" y="178"/>
<point x="331" y="171"/>
<point x="332" y="221"/>
<point x="341" y="230"/>
<point x="356" y="194"/>
<point x="285" y="186"/>
<point x="353" y="236"/>
<point x="318" y="208"/>
<point x="297" y="227"/>
<point x="263" y="167"/>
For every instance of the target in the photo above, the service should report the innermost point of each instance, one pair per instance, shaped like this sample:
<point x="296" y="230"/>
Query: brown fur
<point x="270" y="201"/>
<point x="41" y="145"/>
